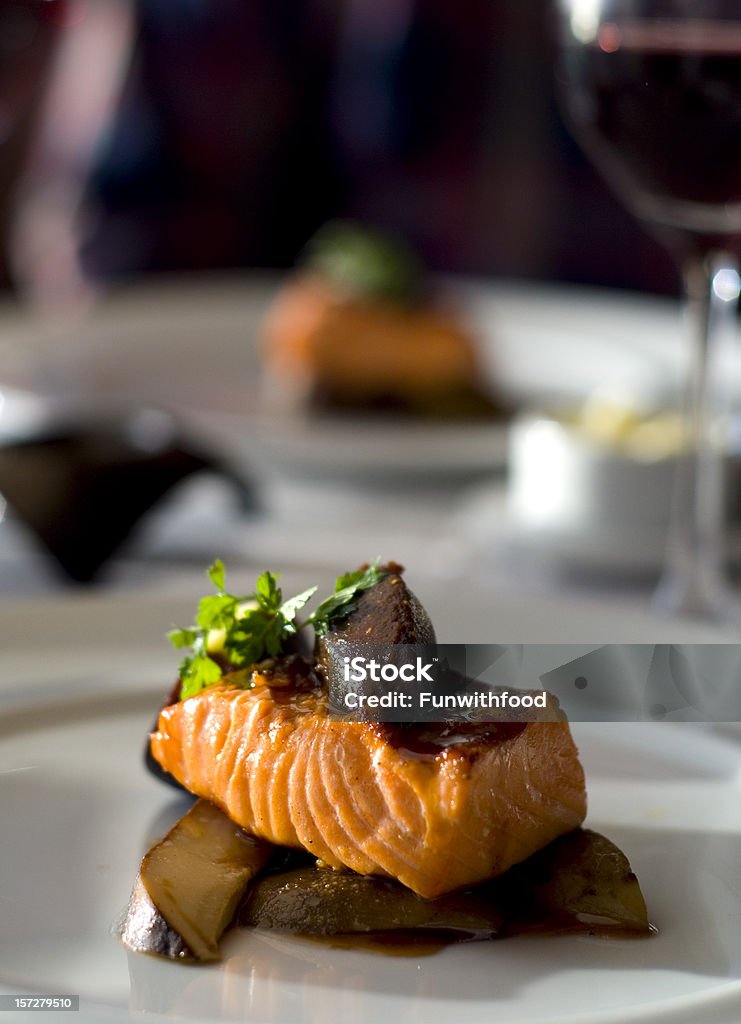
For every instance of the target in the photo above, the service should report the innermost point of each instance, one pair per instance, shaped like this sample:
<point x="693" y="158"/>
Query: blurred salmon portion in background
<point x="361" y="327"/>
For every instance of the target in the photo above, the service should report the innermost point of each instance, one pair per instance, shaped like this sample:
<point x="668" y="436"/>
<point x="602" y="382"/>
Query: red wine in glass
<point x="658" y="106"/>
<point x="652" y="89"/>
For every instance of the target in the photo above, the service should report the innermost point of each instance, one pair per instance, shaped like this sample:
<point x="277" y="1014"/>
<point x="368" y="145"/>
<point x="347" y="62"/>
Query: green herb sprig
<point x="254" y="627"/>
<point x="347" y="590"/>
<point x="240" y="631"/>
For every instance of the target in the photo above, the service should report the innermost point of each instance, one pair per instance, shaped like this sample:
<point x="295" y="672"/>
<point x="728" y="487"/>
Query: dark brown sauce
<point x="409" y="944"/>
<point x="440" y="739"/>
<point x="289" y="682"/>
<point x="284" y="677"/>
<point x="563" y="925"/>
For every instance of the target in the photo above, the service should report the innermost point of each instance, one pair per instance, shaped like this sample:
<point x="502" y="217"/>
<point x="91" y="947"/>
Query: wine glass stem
<point x="694" y="581"/>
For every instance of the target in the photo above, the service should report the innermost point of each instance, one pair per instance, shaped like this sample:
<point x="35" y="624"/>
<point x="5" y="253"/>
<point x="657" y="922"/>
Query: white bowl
<point x="591" y="505"/>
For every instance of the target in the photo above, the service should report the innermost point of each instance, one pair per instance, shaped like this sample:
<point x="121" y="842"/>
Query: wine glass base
<point x="712" y="601"/>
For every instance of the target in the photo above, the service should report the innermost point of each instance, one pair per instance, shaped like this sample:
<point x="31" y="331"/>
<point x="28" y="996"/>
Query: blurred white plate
<point x="189" y="345"/>
<point x="359" y="450"/>
<point x="79" y="681"/>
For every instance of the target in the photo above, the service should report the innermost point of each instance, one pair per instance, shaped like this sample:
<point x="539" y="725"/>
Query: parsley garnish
<point x="344" y="599"/>
<point x="253" y="627"/>
<point x="240" y="631"/>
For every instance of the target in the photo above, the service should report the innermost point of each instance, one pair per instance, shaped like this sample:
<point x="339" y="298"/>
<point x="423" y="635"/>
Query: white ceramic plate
<point x="79" y="680"/>
<point x="189" y="345"/>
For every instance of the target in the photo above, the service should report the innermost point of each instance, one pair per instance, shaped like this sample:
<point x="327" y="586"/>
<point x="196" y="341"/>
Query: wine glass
<point x="652" y="90"/>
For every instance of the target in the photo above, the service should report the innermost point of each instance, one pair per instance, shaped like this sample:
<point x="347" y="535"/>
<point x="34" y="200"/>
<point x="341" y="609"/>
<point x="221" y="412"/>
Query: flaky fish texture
<point x="372" y="798"/>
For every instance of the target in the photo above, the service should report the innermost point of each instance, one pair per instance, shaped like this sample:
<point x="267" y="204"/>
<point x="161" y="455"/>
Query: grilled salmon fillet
<point x="435" y="810"/>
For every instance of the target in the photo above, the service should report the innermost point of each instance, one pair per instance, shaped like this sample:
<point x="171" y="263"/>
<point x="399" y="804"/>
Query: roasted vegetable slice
<point x="144" y="930"/>
<point x="199" y="872"/>
<point x="581" y="881"/>
<point x="193" y="881"/>
<point x="581" y="877"/>
<point x="319" y="901"/>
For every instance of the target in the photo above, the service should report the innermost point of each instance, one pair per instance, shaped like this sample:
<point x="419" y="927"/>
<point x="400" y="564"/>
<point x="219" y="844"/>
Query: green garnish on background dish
<point x="365" y="262"/>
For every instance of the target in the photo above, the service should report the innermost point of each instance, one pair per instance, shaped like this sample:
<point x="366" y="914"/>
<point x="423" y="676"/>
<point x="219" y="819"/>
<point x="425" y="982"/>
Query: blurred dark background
<point x="167" y="135"/>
